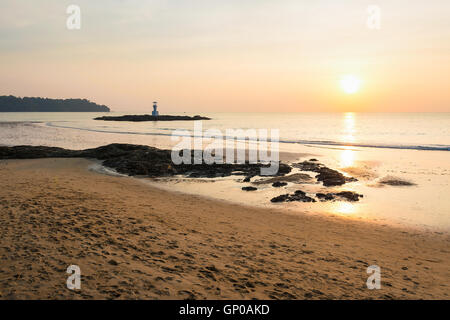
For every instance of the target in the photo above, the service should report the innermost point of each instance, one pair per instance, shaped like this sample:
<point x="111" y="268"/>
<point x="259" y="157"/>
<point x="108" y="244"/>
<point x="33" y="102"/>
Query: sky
<point x="230" y="56"/>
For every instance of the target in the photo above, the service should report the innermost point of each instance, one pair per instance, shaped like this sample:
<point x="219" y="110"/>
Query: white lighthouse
<point x="155" y="112"/>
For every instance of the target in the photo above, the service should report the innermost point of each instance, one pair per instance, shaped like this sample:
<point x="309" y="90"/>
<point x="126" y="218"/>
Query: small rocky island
<point x="154" y="117"/>
<point x="147" y="117"/>
<point x="34" y="104"/>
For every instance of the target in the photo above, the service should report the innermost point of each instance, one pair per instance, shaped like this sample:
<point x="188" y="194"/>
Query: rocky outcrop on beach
<point x="301" y="196"/>
<point x="249" y="188"/>
<point x="343" y="195"/>
<point x="279" y="184"/>
<point x="139" y="160"/>
<point x="396" y="182"/>
<point x="147" y="117"/>
<point x="32" y="152"/>
<point x="298" y="195"/>
<point x="327" y="176"/>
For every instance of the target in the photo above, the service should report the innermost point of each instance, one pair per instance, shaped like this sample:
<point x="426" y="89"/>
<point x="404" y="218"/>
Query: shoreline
<point x="284" y="208"/>
<point x="136" y="241"/>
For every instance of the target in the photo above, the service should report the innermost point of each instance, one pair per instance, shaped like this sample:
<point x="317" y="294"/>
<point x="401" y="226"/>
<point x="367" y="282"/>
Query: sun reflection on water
<point x="349" y="127"/>
<point x="347" y="154"/>
<point x="344" y="208"/>
<point x="347" y="159"/>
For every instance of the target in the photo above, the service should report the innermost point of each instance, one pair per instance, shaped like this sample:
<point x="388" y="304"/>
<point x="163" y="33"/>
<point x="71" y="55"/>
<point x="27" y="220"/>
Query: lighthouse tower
<point x="155" y="112"/>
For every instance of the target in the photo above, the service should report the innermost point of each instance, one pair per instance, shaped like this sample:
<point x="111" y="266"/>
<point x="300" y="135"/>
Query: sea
<point x="372" y="147"/>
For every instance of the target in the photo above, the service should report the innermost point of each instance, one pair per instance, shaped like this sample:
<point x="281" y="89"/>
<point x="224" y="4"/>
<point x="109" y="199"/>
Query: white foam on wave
<point x="98" y="167"/>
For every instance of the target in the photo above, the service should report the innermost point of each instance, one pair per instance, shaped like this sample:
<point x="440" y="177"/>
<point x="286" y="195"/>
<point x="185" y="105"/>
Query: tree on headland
<point x="32" y="104"/>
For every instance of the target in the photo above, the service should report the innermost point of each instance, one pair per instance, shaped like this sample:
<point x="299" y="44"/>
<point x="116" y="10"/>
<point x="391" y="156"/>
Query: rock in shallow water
<point x="325" y="196"/>
<point x="327" y="176"/>
<point x="330" y="177"/>
<point x="393" y="181"/>
<point x="301" y="196"/>
<point x="280" y="198"/>
<point x="279" y="184"/>
<point x="349" y="195"/>
<point x="298" y="195"/>
<point x="346" y="195"/>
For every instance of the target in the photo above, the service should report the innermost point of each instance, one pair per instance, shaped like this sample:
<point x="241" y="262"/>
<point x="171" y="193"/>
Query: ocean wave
<point x="428" y="147"/>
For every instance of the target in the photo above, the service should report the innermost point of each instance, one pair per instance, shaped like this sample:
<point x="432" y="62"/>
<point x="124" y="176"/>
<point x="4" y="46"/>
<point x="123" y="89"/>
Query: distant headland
<point x="32" y="104"/>
<point x="147" y="117"/>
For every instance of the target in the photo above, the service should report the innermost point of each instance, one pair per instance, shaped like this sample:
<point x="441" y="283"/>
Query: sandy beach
<point x="134" y="241"/>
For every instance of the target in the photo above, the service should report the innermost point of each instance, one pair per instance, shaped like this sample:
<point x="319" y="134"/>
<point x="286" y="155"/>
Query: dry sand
<point x="134" y="241"/>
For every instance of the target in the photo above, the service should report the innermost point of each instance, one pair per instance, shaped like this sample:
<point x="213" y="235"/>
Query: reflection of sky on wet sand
<point x="344" y="208"/>
<point x="347" y="157"/>
<point x="398" y="206"/>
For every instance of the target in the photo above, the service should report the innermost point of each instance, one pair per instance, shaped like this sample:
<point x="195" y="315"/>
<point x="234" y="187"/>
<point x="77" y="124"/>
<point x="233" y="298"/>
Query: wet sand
<point x="134" y="241"/>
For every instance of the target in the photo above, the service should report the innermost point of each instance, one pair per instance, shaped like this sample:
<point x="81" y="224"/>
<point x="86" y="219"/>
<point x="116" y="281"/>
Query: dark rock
<point x="283" y="169"/>
<point x="147" y="117"/>
<point x="301" y="197"/>
<point x="249" y="188"/>
<point x="308" y="166"/>
<point x="297" y="196"/>
<point x="349" y="195"/>
<point x="325" y="196"/>
<point x="331" y="177"/>
<point x="139" y="160"/>
<point x="391" y="181"/>
<point x="113" y="262"/>
<point x="212" y="268"/>
<point x="346" y="195"/>
<point x="280" y="198"/>
<point x="327" y="176"/>
<point x="31" y="152"/>
<point x="279" y="184"/>
<point x="313" y="159"/>
<point x="247" y="179"/>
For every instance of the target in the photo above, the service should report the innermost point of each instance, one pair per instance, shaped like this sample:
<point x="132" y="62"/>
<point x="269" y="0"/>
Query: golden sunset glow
<point x="281" y="61"/>
<point x="350" y="84"/>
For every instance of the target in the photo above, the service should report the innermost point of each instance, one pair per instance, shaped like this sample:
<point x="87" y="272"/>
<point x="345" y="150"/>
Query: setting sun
<point x="350" y="84"/>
